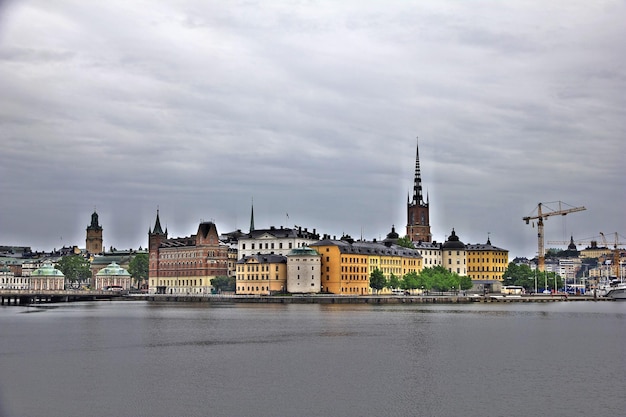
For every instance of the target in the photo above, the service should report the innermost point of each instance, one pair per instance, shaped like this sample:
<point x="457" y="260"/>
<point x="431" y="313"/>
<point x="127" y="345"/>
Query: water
<point x="143" y="359"/>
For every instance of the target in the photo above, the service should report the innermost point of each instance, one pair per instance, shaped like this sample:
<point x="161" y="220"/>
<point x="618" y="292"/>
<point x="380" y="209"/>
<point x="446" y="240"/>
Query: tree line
<point x="437" y="279"/>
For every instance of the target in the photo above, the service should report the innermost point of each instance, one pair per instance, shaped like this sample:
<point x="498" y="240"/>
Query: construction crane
<point x="541" y="214"/>
<point x="616" y="253"/>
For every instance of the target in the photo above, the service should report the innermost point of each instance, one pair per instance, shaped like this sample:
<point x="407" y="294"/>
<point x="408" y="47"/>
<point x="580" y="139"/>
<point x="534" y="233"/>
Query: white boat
<point x="617" y="291"/>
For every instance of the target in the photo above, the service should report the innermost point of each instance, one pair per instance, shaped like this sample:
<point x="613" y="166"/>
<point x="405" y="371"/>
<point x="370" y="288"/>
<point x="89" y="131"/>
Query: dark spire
<point x="157" y="226"/>
<point x="94" y="222"/>
<point x="252" y="217"/>
<point x="418" y="197"/>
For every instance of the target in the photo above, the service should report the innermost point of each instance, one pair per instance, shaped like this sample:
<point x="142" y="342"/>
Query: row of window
<point x="486" y="269"/>
<point x="254" y="277"/>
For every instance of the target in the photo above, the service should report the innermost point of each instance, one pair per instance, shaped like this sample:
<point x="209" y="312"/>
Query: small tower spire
<point x="158" y="230"/>
<point x="252" y="216"/>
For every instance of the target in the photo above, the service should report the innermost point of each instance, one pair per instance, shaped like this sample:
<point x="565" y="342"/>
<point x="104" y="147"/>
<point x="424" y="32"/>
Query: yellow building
<point x="261" y="274"/>
<point x="347" y="265"/>
<point x="345" y="268"/>
<point x="486" y="262"/>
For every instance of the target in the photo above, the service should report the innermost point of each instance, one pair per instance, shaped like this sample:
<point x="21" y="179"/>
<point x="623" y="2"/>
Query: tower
<point x="156" y="236"/>
<point x="418" y="222"/>
<point x="93" y="242"/>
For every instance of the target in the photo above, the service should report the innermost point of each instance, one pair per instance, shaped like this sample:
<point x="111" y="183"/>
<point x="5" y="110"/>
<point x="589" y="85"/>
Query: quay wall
<point x="338" y="299"/>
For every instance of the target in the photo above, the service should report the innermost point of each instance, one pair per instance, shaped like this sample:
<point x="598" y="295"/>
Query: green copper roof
<point x="303" y="251"/>
<point x="113" y="269"/>
<point x="47" y="270"/>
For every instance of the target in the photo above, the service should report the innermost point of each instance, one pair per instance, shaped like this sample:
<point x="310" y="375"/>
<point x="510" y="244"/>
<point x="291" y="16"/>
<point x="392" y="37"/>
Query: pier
<point x="26" y="297"/>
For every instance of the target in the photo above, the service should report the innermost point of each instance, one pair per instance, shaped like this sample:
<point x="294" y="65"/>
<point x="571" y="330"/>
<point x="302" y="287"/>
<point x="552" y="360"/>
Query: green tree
<point x="465" y="283"/>
<point x="377" y="280"/>
<point x="406" y="242"/>
<point x="74" y="267"/>
<point x="439" y="278"/>
<point x="411" y="281"/>
<point x="138" y="268"/>
<point x="394" y="282"/>
<point x="223" y="283"/>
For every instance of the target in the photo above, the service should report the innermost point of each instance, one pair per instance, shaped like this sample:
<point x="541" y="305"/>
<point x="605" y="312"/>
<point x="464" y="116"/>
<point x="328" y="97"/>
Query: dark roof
<point x="370" y="248"/>
<point x="453" y="242"/>
<point x="264" y="259"/>
<point x="281" y="233"/>
<point x="485" y="247"/>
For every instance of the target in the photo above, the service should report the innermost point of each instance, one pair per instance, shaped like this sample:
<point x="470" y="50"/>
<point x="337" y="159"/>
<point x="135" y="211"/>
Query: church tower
<point x="418" y="222"/>
<point x="93" y="242"/>
<point x="156" y="236"/>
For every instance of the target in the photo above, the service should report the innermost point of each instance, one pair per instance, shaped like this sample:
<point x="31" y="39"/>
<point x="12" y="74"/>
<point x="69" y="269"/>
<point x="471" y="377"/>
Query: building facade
<point x="261" y="274"/>
<point x="8" y="280"/>
<point x="486" y="262"/>
<point x="346" y="265"/>
<point x="304" y="271"/>
<point x="278" y="241"/>
<point x="431" y="253"/>
<point x="185" y="265"/>
<point x="453" y="256"/>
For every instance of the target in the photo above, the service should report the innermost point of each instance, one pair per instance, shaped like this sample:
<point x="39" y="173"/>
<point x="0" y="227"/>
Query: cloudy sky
<point x="312" y="109"/>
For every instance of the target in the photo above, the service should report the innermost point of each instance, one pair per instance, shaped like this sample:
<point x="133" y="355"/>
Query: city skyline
<point x="312" y="110"/>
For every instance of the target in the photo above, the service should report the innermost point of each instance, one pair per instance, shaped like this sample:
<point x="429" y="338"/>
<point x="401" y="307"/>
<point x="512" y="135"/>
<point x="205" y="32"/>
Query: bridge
<point x="26" y="297"/>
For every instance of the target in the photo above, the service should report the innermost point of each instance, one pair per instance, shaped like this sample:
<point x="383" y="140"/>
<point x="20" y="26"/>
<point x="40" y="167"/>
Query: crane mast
<point x="541" y="214"/>
<point x="616" y="255"/>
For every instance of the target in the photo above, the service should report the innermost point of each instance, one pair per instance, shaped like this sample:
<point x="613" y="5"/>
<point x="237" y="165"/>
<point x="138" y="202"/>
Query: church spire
<point x="418" y="197"/>
<point x="252" y="217"/>
<point x="157" y="226"/>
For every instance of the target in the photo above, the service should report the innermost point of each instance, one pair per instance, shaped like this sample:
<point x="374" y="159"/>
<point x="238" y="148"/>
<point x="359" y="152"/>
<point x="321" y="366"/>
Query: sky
<point x="310" y="110"/>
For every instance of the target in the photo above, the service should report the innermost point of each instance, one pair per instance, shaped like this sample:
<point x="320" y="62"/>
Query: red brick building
<point x="185" y="265"/>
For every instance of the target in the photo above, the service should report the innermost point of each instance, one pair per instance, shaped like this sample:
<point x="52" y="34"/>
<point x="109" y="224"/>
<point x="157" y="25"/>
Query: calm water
<point x="141" y="359"/>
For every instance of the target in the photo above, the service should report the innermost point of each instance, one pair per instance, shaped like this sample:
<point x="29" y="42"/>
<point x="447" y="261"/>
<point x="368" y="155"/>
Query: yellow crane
<point x="542" y="214"/>
<point x="616" y="255"/>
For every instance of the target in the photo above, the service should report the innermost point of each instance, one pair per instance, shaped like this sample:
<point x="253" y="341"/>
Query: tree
<point x="138" y="268"/>
<point x="377" y="280"/>
<point x="394" y="282"/>
<point x="465" y="283"/>
<point x="223" y="283"/>
<point x="406" y="242"/>
<point x="74" y="267"/>
<point x="411" y="281"/>
<point x="520" y="275"/>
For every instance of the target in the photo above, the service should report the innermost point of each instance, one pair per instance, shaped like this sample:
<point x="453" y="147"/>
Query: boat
<point x="616" y="291"/>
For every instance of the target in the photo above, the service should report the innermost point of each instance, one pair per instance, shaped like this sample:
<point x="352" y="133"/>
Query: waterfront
<point x="164" y="359"/>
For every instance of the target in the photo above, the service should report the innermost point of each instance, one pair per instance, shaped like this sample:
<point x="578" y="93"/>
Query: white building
<point x="431" y="253"/>
<point x="304" y="271"/>
<point x="454" y="258"/>
<point x="8" y="280"/>
<point x="274" y="241"/>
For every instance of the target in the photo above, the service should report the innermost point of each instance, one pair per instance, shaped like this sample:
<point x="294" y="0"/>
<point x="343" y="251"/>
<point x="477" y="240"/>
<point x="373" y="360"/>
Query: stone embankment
<point x="344" y="299"/>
